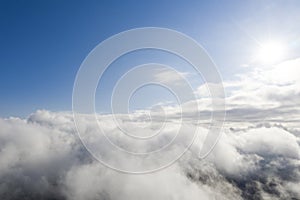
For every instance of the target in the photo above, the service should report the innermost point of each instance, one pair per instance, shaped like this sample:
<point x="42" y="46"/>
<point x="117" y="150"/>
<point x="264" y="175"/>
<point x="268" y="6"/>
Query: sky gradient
<point x="44" y="43"/>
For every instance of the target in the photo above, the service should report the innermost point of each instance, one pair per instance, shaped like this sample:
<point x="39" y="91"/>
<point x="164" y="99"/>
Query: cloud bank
<point x="42" y="158"/>
<point x="257" y="156"/>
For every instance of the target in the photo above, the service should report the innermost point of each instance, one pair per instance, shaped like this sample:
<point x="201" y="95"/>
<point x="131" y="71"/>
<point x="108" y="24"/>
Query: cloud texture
<point x="257" y="156"/>
<point x="42" y="158"/>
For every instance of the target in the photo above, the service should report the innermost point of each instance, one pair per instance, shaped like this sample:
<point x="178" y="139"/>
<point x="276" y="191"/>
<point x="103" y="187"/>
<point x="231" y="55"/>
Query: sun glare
<point x="271" y="51"/>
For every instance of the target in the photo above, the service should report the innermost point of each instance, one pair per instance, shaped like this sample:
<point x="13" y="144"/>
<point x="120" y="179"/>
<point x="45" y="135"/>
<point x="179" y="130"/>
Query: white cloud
<point x="258" y="156"/>
<point x="41" y="156"/>
<point x="170" y="76"/>
<point x="270" y="142"/>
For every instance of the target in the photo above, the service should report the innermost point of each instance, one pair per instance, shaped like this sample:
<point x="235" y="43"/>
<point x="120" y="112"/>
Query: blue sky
<point x="44" y="42"/>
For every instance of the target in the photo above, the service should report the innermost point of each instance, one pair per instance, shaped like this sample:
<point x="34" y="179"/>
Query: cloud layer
<point x="257" y="156"/>
<point x="42" y="158"/>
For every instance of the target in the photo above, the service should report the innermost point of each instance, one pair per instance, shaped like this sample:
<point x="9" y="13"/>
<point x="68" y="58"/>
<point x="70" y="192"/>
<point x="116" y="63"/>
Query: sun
<point x="271" y="52"/>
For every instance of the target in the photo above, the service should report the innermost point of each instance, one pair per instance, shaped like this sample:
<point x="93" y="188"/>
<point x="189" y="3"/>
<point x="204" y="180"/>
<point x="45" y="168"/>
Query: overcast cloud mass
<point x="257" y="156"/>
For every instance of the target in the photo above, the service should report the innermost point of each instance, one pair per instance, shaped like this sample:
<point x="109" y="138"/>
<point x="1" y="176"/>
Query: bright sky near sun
<point x="44" y="42"/>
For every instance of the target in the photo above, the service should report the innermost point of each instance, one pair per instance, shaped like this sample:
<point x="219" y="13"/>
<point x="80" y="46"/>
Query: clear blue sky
<point x="42" y="43"/>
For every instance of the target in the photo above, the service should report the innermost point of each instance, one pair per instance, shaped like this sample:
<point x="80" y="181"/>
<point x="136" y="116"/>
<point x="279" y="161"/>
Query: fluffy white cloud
<point x="257" y="157"/>
<point x="42" y="157"/>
